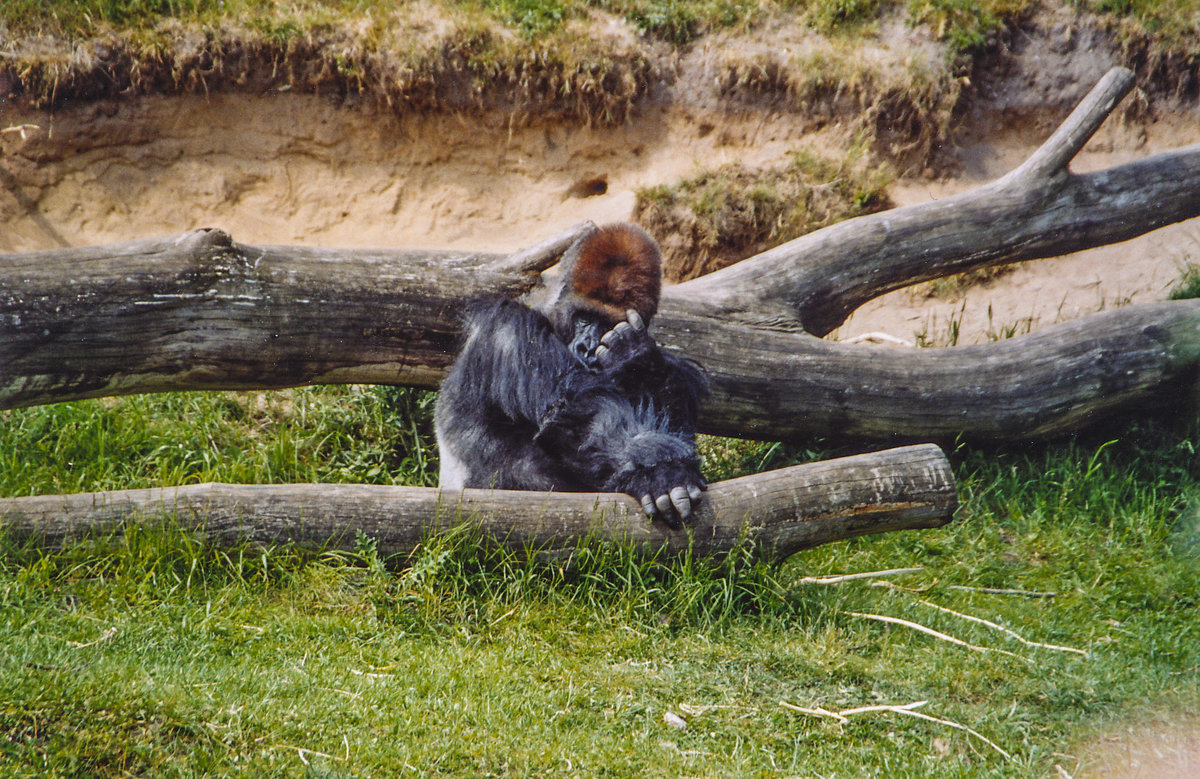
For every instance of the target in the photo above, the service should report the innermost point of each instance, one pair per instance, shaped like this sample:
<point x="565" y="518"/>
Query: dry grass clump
<point x="724" y="215"/>
<point x="896" y="90"/>
<point x="955" y="287"/>
<point x="437" y="63"/>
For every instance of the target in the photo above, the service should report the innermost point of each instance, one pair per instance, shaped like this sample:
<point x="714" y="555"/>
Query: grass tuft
<point x="1166" y="23"/>
<point x="724" y="215"/>
<point x="965" y="24"/>
<point x="1188" y="284"/>
<point x="830" y="16"/>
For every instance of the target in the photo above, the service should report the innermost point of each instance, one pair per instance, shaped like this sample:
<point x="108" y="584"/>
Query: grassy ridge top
<point x="580" y="60"/>
<point x="965" y="23"/>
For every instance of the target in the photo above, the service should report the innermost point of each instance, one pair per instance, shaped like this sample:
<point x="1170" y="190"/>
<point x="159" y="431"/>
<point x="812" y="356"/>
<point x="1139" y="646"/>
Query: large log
<point x="777" y="513"/>
<point x="199" y="311"/>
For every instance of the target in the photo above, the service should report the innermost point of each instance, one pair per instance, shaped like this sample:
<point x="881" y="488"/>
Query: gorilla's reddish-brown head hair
<point x="617" y="268"/>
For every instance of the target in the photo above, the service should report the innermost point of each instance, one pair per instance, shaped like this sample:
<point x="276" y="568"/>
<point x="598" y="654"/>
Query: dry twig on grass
<point x="908" y="709"/>
<point x="848" y="577"/>
<point x="106" y="635"/>
<point x="931" y="632"/>
<point x="995" y="591"/>
<point x="815" y="712"/>
<point x="1002" y="629"/>
<point x="951" y="724"/>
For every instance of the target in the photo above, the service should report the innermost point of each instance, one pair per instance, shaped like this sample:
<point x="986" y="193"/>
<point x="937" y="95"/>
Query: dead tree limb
<point x="199" y="311"/>
<point x="1039" y="210"/>
<point x="778" y="513"/>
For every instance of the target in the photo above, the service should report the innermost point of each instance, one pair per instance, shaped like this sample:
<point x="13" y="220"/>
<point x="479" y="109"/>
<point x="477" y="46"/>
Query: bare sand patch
<point x="301" y="169"/>
<point x="1145" y="750"/>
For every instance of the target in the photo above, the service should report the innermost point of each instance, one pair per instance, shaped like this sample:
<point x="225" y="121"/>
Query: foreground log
<point x="200" y="311"/>
<point x="777" y="513"/>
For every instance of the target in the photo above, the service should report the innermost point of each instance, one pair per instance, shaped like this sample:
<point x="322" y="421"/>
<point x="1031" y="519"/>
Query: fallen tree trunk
<point x="1047" y="383"/>
<point x="199" y="311"/>
<point x="777" y="513"/>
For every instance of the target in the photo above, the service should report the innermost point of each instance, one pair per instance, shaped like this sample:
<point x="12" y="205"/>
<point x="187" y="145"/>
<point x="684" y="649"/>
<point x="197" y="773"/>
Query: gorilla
<point x="574" y="394"/>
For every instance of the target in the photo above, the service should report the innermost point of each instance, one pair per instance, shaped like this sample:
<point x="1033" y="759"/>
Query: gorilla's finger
<point x="602" y="353"/>
<point x="648" y="506"/>
<point x="664" y="503"/>
<point x="681" y="501"/>
<point x="694" y="492"/>
<point x="621" y="331"/>
<point x="635" y="320"/>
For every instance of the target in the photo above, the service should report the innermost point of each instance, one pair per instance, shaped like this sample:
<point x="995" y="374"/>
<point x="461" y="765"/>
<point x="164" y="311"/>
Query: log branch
<point x="198" y="311"/>
<point x="1039" y="210"/>
<point x="778" y="513"/>
<point x="541" y="256"/>
<point x="1053" y="157"/>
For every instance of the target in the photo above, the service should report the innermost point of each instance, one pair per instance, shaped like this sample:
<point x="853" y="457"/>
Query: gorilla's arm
<point x="520" y="376"/>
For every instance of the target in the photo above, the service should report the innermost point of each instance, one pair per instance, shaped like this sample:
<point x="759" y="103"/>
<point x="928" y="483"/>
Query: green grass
<point x="1188" y="284"/>
<point x="669" y="20"/>
<point x="964" y="24"/>
<point x="379" y="435"/>
<point x="153" y="655"/>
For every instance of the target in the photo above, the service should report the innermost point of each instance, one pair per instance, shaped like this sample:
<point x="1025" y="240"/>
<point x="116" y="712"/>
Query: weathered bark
<point x="199" y="311"/>
<point x="778" y="513"/>
<point x="774" y="385"/>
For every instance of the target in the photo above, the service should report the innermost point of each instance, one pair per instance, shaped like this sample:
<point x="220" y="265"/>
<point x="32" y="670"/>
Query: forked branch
<point x="1038" y="210"/>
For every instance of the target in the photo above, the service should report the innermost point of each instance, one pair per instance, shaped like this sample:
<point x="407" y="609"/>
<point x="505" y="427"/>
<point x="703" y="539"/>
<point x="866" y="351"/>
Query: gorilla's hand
<point x="675" y="507"/>
<point x="626" y="342"/>
<point x="664" y="475"/>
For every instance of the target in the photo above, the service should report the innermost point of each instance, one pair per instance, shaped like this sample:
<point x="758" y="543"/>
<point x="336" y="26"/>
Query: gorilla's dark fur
<point x="574" y="394"/>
